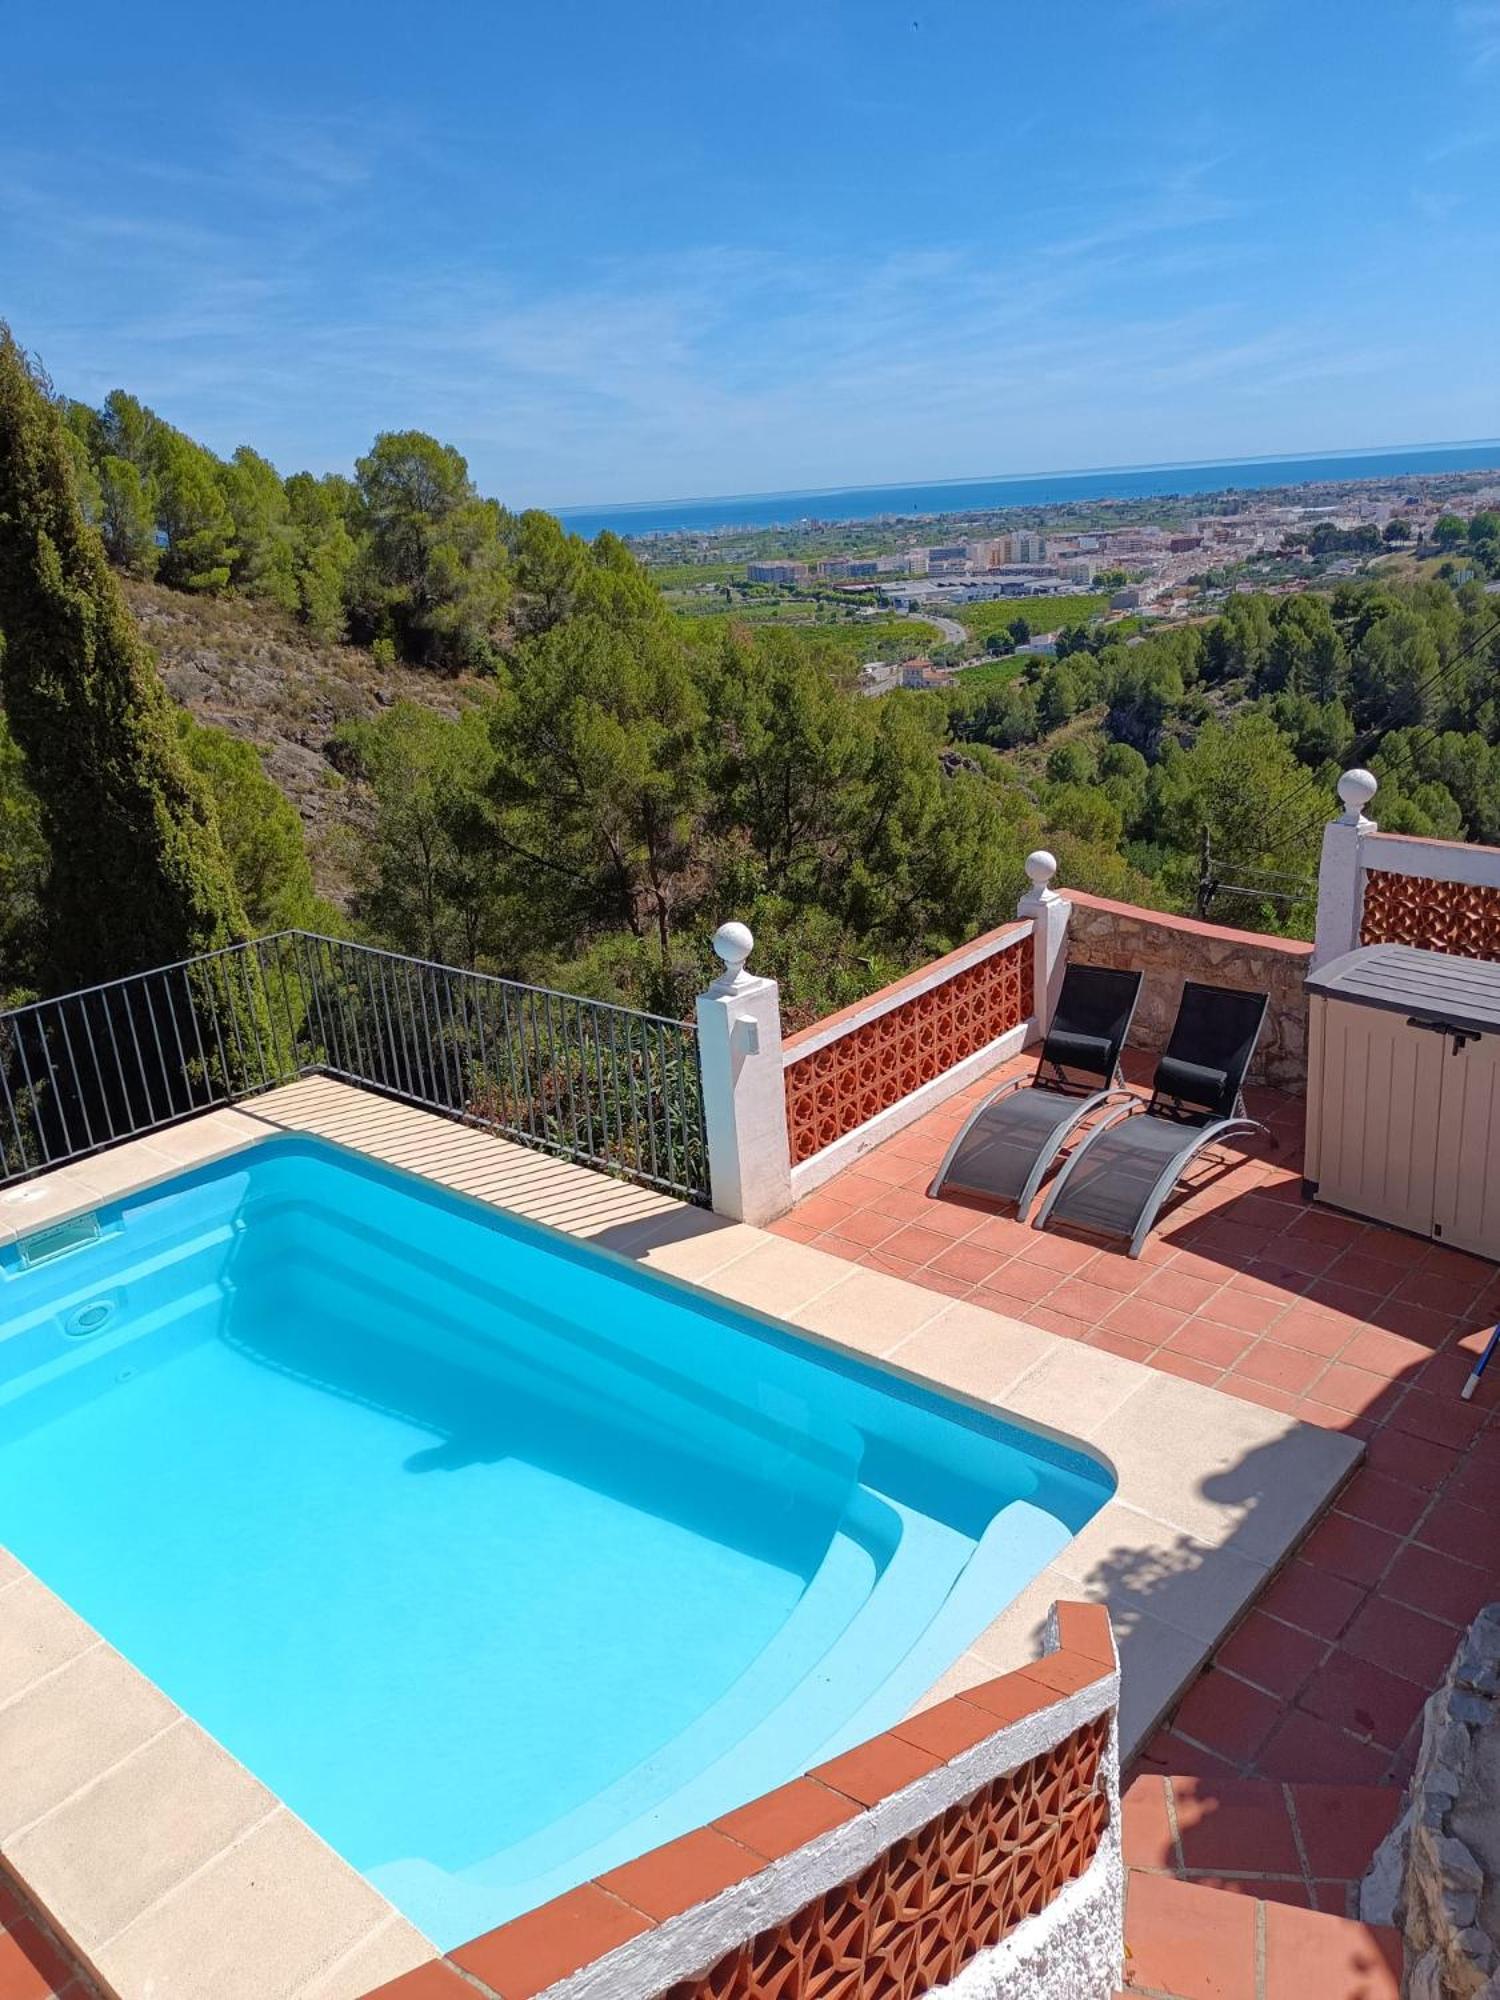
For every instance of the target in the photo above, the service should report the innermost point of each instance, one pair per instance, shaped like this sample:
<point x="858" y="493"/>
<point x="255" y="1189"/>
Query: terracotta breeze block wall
<point x="902" y="1924"/>
<point x="1171" y="949"/>
<point x="876" y="1063"/>
<point x="1461" y="918"/>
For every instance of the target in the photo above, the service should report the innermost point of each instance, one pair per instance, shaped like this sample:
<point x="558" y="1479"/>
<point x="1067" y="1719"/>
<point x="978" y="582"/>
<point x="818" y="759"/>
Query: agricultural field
<point x="1042" y="614"/>
<point x="995" y="673"/>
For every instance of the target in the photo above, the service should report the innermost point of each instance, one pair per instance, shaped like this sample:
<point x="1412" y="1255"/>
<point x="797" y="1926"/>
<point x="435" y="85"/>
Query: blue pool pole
<point x="1481" y="1364"/>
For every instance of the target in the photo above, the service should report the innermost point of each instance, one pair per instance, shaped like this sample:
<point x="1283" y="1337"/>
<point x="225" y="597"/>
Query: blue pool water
<point x="497" y="1558"/>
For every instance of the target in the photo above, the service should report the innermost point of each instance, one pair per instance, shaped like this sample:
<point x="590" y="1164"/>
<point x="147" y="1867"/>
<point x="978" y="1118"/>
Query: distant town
<point x="1166" y="560"/>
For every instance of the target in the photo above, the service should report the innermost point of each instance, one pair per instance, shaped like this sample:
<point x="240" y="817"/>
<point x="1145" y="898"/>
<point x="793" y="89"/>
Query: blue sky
<point x="688" y="248"/>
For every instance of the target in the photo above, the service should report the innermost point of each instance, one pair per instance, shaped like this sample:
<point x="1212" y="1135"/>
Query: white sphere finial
<point x="1040" y="869"/>
<point x="734" y="944"/>
<point x="1356" y="789"/>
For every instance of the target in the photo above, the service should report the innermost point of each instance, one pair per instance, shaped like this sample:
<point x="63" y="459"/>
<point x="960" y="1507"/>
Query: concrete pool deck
<point x="174" y="1873"/>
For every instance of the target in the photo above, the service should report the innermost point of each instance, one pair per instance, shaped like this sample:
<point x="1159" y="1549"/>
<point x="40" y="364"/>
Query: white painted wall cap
<point x="1357" y="788"/>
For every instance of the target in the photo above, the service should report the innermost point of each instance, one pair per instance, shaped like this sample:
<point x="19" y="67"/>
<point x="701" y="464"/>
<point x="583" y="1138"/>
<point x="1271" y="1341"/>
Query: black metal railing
<point x="609" y="1086"/>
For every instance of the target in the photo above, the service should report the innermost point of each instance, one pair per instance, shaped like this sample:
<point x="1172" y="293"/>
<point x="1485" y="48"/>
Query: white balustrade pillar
<point x="1048" y="913"/>
<point x="1341" y="870"/>
<point x="744" y="1095"/>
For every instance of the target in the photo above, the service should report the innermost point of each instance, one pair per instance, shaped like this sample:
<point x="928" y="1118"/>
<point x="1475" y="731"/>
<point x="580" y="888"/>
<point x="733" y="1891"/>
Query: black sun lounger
<point x="1009" y="1142"/>
<point x="1117" y="1178"/>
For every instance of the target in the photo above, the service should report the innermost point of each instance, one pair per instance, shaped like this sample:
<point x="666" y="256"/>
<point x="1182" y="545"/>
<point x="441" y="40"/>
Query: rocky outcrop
<point x="1171" y="949"/>
<point x="1437" y="1874"/>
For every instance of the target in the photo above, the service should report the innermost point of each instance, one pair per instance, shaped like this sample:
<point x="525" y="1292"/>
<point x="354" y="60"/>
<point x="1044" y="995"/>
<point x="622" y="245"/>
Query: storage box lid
<point x="1433" y="986"/>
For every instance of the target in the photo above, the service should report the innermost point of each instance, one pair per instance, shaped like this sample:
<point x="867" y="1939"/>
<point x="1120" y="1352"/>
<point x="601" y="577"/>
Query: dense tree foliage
<point x="609" y="781"/>
<point x="138" y="874"/>
<point x="407" y="554"/>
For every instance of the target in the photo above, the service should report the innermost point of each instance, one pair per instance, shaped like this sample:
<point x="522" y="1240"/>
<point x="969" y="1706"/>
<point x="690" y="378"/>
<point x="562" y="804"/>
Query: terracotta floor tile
<point x="1181" y="1365"/>
<point x="1440" y="1292"/>
<point x="1142" y="1320"/>
<point x="1114" y="1342"/>
<point x="1239" y="1824"/>
<point x="1313" y="1599"/>
<point x="885" y="1167"/>
<point x="1083" y="1300"/>
<point x="1406" y="1642"/>
<point x="868" y="1227"/>
<point x="1062" y="1254"/>
<point x="1416" y="1460"/>
<point x="1388" y="1354"/>
<point x="1021" y="1280"/>
<point x="1114" y="1270"/>
<point x="952" y="1219"/>
<point x="1278" y="1367"/>
<point x="27" y="1964"/>
<point x="1384" y="1502"/>
<point x="1439" y="1419"/>
<point x="1312" y="1332"/>
<point x="1413" y="1322"/>
<point x="881" y="1260"/>
<point x="1001" y="1232"/>
<point x="1323" y="1225"/>
<point x="1351" y="1549"/>
<point x="1061" y="1323"/>
<point x="1227" y="1715"/>
<point x="794" y="1229"/>
<point x="1333" y="1957"/>
<point x="1263" y="1888"/>
<point x="1265" y="1394"/>
<point x="1274" y="1656"/>
<point x="1455" y="1529"/>
<point x="1145" y="1830"/>
<point x="1249" y="1312"/>
<point x="917" y="1243"/>
<point x="1439" y="1584"/>
<point x="1475" y="1484"/>
<point x="1342" y="1825"/>
<point x="1180" y="1289"/>
<point x="969" y="1261"/>
<point x="1362" y="1698"/>
<point x="1205" y="1340"/>
<point x="1354" y="1390"/>
<point x="1198" y="1944"/>
<point x="1303" y="1749"/>
<point x="942" y="1281"/>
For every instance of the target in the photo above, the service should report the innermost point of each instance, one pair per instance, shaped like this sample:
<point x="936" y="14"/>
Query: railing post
<point x="1048" y="914"/>
<point x="1341" y="870"/>
<point x="744" y="1094"/>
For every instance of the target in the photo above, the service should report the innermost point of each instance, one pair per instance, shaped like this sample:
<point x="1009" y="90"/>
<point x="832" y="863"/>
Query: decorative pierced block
<point x="916" y="1916"/>
<point x="1460" y="918"/>
<point x="877" y="1063"/>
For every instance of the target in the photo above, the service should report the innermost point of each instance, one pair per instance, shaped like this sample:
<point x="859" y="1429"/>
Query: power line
<point x="1369" y="740"/>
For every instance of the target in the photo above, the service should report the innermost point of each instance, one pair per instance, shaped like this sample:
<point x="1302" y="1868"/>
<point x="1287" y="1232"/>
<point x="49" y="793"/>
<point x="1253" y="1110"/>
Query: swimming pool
<point x="499" y="1559"/>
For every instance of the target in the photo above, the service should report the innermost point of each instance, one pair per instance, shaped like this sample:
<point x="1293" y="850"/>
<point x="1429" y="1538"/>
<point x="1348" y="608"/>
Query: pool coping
<point x="1213" y="1494"/>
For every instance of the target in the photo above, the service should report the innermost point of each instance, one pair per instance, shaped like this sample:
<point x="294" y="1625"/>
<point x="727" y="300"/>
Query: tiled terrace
<point x="1250" y="1289"/>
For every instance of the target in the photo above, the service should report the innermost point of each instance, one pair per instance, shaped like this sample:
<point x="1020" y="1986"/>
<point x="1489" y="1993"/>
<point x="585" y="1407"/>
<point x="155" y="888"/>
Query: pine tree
<point x="139" y="874"/>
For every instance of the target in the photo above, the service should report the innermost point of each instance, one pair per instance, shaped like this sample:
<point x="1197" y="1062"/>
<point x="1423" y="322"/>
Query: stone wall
<point x="1171" y="949"/>
<point x="1437" y="1874"/>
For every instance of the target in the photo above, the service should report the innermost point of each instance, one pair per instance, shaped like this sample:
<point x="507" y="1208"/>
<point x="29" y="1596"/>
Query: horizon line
<point x="1007" y="478"/>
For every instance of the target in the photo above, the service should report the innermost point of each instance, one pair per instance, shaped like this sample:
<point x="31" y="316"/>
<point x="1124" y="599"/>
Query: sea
<point x="1050" y="489"/>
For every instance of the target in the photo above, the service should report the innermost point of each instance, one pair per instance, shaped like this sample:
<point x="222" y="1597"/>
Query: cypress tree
<point x="139" y="875"/>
